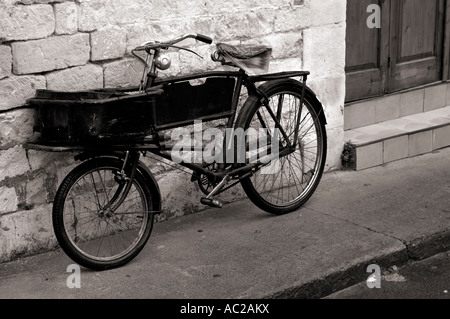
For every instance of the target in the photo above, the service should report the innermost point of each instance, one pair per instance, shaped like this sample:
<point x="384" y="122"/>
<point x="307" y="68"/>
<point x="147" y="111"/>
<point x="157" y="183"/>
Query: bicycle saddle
<point x="243" y="51"/>
<point x="254" y="59"/>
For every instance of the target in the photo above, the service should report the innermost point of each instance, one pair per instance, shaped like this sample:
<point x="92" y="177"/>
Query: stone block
<point x="331" y="93"/>
<point x="441" y="137"/>
<point x="282" y="65"/>
<point x="180" y="195"/>
<point x="13" y="162"/>
<point x="287" y="45"/>
<point x="125" y="12"/>
<point x="37" y="1"/>
<point x="16" y="127"/>
<point x="8" y="200"/>
<point x="138" y="34"/>
<point x="77" y="78"/>
<point x="369" y="156"/>
<point x="66" y="16"/>
<point x="108" y="44"/>
<point x="16" y="90"/>
<point x="41" y="159"/>
<point x="26" y="232"/>
<point x="36" y="191"/>
<point x="26" y="22"/>
<point x="380" y="131"/>
<point x="335" y="138"/>
<point x="359" y="114"/>
<point x="358" y="138"/>
<point x="395" y="149"/>
<point x="243" y="25"/>
<point x="204" y="25"/>
<point x="93" y="15"/>
<point x="412" y="102"/>
<point x="123" y="73"/>
<point x="431" y="118"/>
<point x="421" y="143"/>
<point x="292" y="18"/>
<point x="169" y="29"/>
<point x="387" y="108"/>
<point x="435" y="97"/>
<point x="263" y="22"/>
<point x="58" y="52"/>
<point x="328" y="12"/>
<point x="192" y="8"/>
<point x="5" y="61"/>
<point x="447" y="100"/>
<point x="192" y="63"/>
<point x="324" y="51"/>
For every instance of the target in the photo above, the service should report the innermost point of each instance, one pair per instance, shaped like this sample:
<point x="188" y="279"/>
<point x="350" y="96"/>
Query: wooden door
<point x="406" y="51"/>
<point x="416" y="43"/>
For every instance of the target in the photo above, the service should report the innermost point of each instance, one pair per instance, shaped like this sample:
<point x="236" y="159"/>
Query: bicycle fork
<point x="124" y="178"/>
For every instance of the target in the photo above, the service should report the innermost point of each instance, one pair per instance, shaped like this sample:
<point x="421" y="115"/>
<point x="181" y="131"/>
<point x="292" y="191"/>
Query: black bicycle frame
<point x="242" y="79"/>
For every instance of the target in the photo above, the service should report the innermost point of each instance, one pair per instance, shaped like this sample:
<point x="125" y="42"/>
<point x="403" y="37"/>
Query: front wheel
<point x="87" y="229"/>
<point x="288" y="181"/>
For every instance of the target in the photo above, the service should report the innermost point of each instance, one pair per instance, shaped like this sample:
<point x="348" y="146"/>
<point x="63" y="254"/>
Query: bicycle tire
<point x="309" y="157"/>
<point x="77" y="211"/>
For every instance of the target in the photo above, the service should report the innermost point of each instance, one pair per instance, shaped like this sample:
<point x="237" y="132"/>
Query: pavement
<point x="388" y="216"/>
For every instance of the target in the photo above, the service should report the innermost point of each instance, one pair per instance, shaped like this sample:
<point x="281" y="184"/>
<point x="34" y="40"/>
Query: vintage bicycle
<point x="103" y="211"/>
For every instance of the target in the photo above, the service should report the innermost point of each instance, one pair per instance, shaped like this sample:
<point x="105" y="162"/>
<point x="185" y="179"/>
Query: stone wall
<point x="84" y="44"/>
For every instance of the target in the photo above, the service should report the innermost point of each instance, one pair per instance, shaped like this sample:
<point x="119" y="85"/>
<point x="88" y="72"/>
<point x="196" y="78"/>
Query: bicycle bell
<point x="163" y="62"/>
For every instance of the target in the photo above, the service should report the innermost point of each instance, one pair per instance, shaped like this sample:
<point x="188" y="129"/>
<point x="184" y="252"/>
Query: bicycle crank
<point x="214" y="202"/>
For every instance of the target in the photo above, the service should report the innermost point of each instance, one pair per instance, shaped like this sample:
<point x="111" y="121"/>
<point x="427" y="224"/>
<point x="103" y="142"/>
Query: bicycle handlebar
<point x="154" y="45"/>
<point x="203" y="38"/>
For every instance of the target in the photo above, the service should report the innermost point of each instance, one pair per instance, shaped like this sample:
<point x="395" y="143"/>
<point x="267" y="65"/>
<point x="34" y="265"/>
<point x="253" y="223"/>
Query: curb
<point x="415" y="250"/>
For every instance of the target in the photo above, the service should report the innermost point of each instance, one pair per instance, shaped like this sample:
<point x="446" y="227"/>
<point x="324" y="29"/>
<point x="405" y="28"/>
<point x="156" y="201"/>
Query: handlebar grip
<point x="203" y="38"/>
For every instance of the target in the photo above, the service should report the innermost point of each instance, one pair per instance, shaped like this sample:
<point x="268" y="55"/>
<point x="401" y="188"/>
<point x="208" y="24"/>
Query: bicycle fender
<point x="153" y="185"/>
<point x="254" y="97"/>
<point x="308" y="91"/>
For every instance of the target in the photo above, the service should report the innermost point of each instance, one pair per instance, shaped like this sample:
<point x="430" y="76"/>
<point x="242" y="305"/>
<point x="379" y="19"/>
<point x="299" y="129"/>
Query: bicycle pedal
<point x="212" y="202"/>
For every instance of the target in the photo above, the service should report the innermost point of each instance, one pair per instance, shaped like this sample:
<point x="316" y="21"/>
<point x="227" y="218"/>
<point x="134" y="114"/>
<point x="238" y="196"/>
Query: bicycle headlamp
<point x="163" y="62"/>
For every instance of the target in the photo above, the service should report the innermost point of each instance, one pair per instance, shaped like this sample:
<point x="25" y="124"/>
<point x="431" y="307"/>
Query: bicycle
<point x="103" y="211"/>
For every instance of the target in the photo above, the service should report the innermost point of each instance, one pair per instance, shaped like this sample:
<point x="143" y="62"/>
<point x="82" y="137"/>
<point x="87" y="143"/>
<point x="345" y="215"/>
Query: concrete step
<point x="396" y="105"/>
<point x="396" y="139"/>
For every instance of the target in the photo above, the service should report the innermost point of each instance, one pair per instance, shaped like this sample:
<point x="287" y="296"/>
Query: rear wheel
<point x="87" y="229"/>
<point x="286" y="183"/>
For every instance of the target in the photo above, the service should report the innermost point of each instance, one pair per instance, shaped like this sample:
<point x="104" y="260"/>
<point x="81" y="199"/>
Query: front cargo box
<point x="97" y="116"/>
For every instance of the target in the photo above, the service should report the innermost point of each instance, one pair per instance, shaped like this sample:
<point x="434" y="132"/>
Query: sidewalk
<point x="385" y="216"/>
